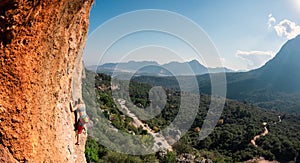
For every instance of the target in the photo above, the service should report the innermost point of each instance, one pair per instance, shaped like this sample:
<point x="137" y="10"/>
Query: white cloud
<point x="255" y="59"/>
<point x="223" y="60"/>
<point x="271" y="21"/>
<point x="287" y="29"/>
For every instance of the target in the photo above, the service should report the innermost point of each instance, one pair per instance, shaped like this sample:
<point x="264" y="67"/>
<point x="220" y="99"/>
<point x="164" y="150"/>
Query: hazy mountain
<point x="186" y="68"/>
<point x="153" y="68"/>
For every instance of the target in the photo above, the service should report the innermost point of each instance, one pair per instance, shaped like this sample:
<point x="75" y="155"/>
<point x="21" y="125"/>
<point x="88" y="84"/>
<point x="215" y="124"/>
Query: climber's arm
<point x="73" y="108"/>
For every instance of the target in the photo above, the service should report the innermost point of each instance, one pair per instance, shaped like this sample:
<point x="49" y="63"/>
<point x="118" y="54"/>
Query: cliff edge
<point x="41" y="44"/>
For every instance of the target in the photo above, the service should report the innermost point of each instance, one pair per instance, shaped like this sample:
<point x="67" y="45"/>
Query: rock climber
<point x="83" y="119"/>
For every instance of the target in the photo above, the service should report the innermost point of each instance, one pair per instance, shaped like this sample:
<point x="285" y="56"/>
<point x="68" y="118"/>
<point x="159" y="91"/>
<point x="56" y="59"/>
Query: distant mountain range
<point x="151" y="68"/>
<point x="276" y="85"/>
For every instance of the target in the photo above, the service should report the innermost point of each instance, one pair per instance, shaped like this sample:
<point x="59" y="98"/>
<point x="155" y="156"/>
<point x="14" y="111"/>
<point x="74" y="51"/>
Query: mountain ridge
<point x="280" y="73"/>
<point x="273" y="86"/>
<point x="172" y="68"/>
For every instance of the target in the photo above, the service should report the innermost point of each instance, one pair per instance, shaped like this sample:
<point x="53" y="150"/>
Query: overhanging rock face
<point x="40" y="41"/>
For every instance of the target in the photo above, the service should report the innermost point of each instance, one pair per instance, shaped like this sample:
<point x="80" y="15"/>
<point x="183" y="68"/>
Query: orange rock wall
<point x="40" y="40"/>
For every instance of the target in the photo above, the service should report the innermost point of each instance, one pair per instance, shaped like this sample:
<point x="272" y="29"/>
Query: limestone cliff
<point x="41" y="44"/>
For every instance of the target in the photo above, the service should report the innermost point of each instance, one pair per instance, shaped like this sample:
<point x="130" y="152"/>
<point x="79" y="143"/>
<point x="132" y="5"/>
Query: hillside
<point x="229" y="142"/>
<point x="41" y="45"/>
<point x="275" y="85"/>
<point x="282" y="70"/>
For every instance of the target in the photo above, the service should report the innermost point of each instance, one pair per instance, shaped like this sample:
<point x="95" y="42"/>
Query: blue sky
<point x="246" y="33"/>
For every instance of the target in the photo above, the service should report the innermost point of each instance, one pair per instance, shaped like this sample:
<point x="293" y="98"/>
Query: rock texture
<point x="40" y="42"/>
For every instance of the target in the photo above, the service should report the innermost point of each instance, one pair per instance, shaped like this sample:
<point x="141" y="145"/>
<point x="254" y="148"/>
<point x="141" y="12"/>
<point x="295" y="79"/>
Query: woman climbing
<point x="83" y="117"/>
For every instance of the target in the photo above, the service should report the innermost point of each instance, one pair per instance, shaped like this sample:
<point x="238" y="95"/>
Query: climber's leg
<point x="79" y="131"/>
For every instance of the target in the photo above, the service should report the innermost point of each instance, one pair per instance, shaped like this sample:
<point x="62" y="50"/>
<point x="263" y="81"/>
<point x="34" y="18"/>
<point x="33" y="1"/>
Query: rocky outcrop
<point x="190" y="158"/>
<point x="40" y="42"/>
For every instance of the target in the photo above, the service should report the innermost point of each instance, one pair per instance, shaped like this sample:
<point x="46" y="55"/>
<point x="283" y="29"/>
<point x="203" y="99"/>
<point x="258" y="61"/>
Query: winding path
<point x="159" y="140"/>
<point x="266" y="131"/>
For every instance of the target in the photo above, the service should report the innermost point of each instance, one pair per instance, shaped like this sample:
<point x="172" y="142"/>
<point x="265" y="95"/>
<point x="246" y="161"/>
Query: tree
<point x="91" y="150"/>
<point x="170" y="157"/>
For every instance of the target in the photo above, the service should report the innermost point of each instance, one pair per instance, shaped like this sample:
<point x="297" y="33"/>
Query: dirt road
<point x="159" y="140"/>
<point x="258" y="136"/>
